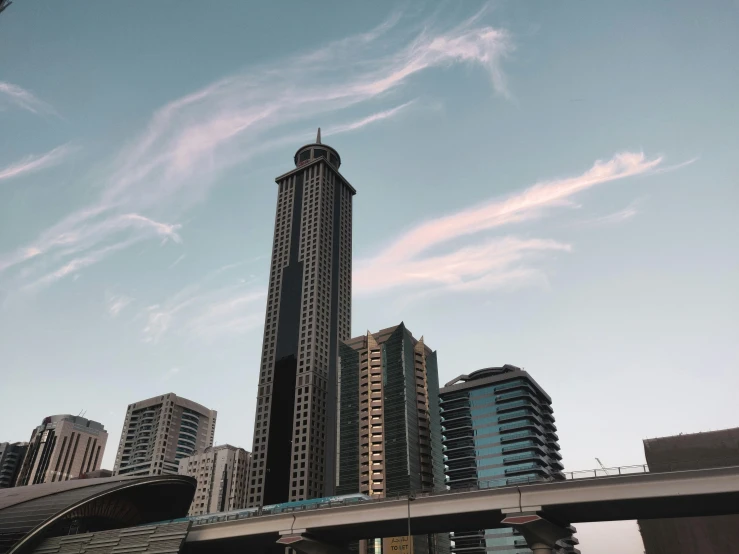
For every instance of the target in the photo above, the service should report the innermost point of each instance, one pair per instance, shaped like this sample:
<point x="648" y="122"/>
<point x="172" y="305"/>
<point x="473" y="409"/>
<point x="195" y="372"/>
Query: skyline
<point x="549" y="189"/>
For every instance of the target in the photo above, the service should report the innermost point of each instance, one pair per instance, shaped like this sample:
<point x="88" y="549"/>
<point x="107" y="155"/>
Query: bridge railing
<point x="598" y="473"/>
<point x="606" y="472"/>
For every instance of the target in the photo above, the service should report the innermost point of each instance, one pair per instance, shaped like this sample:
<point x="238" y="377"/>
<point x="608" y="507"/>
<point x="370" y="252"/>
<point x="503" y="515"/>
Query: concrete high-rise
<point x="11" y="458"/>
<point x="389" y="423"/>
<point x="159" y="431"/>
<point x="692" y="535"/>
<point x="498" y="429"/>
<point x="63" y="447"/>
<point x="222" y="473"/>
<point x="308" y="313"/>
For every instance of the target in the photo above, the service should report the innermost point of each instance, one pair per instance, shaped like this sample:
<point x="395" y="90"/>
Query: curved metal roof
<point x="30" y="513"/>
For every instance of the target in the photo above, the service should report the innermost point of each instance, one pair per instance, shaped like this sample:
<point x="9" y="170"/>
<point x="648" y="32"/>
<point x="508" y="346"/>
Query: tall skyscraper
<point x="308" y="313"/>
<point x="389" y="423"/>
<point x="11" y="458"/>
<point x="159" y="431"/>
<point x="692" y="535"/>
<point x="498" y="430"/>
<point x="63" y="447"/>
<point x="221" y="472"/>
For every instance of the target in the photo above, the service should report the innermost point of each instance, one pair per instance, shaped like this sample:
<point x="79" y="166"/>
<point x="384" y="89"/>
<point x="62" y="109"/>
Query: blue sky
<point x="551" y="185"/>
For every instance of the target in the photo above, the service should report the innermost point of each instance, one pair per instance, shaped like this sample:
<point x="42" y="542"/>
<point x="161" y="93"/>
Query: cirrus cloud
<point x="24" y="99"/>
<point x="492" y="262"/>
<point x="32" y="163"/>
<point x="175" y="160"/>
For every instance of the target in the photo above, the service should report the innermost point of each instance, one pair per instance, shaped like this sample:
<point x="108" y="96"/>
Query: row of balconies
<point x="545" y="421"/>
<point x="523" y="445"/>
<point x="508" y="437"/>
<point x="464" y="418"/>
<point x="459" y="395"/>
<point x="523" y="391"/>
<point x="513" y="385"/>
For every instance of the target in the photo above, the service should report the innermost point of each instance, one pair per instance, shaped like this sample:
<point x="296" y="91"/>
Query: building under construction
<point x="693" y="535"/>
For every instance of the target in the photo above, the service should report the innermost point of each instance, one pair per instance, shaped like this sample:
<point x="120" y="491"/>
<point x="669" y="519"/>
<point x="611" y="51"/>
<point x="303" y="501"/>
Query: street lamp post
<point x="411" y="497"/>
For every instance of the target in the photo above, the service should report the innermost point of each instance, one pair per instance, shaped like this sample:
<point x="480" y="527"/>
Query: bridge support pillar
<point x="303" y="543"/>
<point x="542" y="535"/>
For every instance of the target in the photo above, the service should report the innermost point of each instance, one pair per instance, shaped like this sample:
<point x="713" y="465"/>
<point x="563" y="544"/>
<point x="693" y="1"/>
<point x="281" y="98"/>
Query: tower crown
<point x="315" y="150"/>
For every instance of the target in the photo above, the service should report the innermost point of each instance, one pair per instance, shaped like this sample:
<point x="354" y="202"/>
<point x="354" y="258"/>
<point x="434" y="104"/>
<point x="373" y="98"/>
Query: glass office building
<point x="498" y="430"/>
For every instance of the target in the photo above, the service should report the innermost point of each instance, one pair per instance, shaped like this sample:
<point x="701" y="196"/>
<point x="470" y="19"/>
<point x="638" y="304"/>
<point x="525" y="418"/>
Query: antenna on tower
<point x="318" y="136"/>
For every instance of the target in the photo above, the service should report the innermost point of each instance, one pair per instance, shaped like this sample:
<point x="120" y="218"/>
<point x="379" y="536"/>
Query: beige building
<point x="389" y="423"/>
<point x="222" y="474"/>
<point x="63" y="447"/>
<point x="159" y="432"/>
<point x="389" y="440"/>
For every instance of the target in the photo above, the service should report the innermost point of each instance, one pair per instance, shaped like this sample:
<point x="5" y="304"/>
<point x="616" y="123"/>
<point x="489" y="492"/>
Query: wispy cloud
<point x="174" y="162"/>
<point x="81" y="246"/>
<point x="32" y="163"/>
<point x="171" y="372"/>
<point x="74" y="266"/>
<point x="116" y="303"/>
<point x="358" y="124"/>
<point x="177" y="261"/>
<point x="629" y="212"/>
<point x="221" y="124"/>
<point x="493" y="262"/>
<point x="206" y="310"/>
<point x="23" y="98"/>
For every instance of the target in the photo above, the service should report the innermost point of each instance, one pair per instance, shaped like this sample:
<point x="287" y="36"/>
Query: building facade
<point x="308" y="313"/>
<point x="11" y="458"/>
<point x="498" y="429"/>
<point x="389" y="425"/>
<point x="222" y="473"/>
<point x="159" y="431"/>
<point x="692" y="535"/>
<point x="63" y="447"/>
<point x="97" y="474"/>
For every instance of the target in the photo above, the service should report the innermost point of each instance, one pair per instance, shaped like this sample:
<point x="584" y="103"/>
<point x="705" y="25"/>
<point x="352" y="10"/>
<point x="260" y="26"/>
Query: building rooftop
<point x="489" y="376"/>
<point x="178" y="400"/>
<point x="79" y="421"/>
<point x="482" y="373"/>
<point x="381" y="336"/>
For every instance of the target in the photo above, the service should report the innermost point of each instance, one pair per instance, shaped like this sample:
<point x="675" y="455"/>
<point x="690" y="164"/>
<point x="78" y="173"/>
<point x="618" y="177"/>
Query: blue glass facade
<point x="497" y="430"/>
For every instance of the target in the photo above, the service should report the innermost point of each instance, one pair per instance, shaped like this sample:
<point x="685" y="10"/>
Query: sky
<point x="546" y="184"/>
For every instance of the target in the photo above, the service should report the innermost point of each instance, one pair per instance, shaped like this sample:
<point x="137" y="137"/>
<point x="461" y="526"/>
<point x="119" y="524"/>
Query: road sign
<point x="396" y="545"/>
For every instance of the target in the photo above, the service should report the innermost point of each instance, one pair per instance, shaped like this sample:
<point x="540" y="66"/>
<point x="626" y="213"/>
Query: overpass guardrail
<point x="598" y="473"/>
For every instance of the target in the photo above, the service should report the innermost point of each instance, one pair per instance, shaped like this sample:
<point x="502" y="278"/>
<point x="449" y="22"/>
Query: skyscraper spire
<point x="318" y="136"/>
